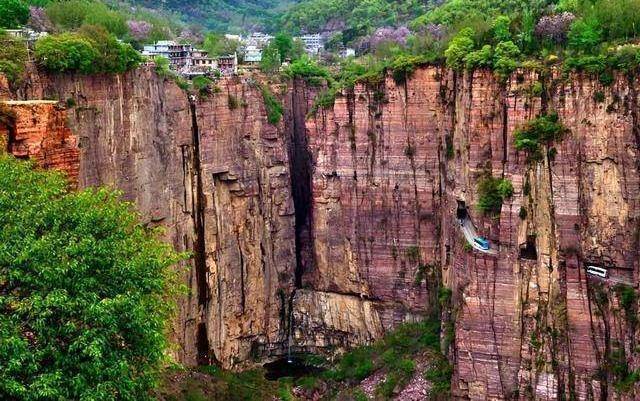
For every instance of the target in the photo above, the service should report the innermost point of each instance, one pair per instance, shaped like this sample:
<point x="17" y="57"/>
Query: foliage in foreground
<point x="13" y="13"/>
<point x="394" y="355"/>
<point x="86" y="291"/>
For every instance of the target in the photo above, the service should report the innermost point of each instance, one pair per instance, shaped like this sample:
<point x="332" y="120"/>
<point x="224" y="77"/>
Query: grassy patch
<point x="439" y="374"/>
<point x="202" y="85"/>
<point x="393" y="352"/>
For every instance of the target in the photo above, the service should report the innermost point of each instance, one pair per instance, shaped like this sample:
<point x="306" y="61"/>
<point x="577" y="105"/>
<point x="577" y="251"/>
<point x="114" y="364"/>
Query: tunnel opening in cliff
<point x="528" y="250"/>
<point x="294" y="366"/>
<point x="461" y="211"/>
<point x="301" y="172"/>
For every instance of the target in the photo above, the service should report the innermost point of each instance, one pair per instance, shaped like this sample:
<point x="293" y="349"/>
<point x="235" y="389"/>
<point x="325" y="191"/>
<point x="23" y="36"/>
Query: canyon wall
<point x="329" y="228"/>
<point x="209" y="169"/>
<point x="391" y="163"/>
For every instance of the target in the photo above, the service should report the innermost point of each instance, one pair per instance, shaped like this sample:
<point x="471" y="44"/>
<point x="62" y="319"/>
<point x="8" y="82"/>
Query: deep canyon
<point x="328" y="229"/>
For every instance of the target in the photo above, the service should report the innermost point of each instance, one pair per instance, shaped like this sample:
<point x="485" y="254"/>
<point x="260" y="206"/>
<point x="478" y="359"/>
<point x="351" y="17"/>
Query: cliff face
<point x="324" y="231"/>
<point x="210" y="170"/>
<point x="391" y="165"/>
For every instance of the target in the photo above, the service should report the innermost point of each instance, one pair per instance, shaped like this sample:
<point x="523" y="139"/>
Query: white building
<point x="26" y="34"/>
<point x="252" y="55"/>
<point x="257" y="39"/>
<point x="347" y="52"/>
<point x="312" y="43"/>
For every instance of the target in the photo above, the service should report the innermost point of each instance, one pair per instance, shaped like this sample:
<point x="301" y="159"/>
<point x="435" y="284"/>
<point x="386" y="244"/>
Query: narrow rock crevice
<point x="301" y="187"/>
<point x="199" y="246"/>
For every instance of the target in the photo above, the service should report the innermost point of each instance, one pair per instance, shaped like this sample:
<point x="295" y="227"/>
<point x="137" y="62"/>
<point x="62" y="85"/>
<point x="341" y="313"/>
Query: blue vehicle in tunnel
<point x="482" y="243"/>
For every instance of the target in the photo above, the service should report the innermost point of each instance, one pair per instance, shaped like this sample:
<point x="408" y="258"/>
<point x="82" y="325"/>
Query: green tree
<point x="13" y="13"/>
<point x="91" y="50"/>
<point x="501" y="29"/>
<point x="85" y="291"/>
<point x="506" y="58"/>
<point x="284" y="43"/>
<point x="482" y="58"/>
<point x="13" y="57"/>
<point x="66" y="52"/>
<point x="297" y="51"/>
<point x="69" y="14"/>
<point x="113" y="21"/>
<point x="460" y="46"/>
<point x="270" y="62"/>
<point x="114" y="57"/>
<point x="218" y="45"/>
<point x="585" y="36"/>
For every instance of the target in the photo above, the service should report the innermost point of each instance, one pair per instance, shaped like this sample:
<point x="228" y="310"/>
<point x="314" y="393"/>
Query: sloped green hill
<point x="224" y="15"/>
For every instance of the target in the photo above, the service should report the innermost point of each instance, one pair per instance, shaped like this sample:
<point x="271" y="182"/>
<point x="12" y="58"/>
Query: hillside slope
<point x="224" y="15"/>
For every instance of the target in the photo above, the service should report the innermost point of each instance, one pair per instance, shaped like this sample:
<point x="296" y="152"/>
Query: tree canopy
<point x="86" y="291"/>
<point x="90" y="50"/>
<point x="13" y="13"/>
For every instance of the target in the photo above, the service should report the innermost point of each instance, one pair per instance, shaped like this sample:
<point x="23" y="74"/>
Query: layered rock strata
<point x="328" y="229"/>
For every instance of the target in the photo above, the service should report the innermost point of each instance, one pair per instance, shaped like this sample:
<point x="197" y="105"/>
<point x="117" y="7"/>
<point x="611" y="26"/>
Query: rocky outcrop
<point x="248" y="224"/>
<point x="375" y="211"/>
<point x="38" y="130"/>
<point x="211" y="170"/>
<point x="326" y="230"/>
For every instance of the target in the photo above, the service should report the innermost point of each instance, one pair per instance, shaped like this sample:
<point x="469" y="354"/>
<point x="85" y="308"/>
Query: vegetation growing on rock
<point x="535" y="133"/>
<point x="91" y="50"/>
<point x="12" y="58"/>
<point x="272" y="105"/>
<point x="492" y="192"/>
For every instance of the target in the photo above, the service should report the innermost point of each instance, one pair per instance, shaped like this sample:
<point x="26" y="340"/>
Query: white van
<point x="597" y="271"/>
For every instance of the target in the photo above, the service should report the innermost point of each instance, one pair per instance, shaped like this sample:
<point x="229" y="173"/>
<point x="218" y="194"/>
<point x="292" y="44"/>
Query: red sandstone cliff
<point x="341" y="225"/>
<point x="529" y="323"/>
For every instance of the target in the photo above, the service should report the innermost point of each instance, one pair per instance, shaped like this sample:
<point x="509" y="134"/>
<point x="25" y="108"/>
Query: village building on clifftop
<point x="188" y="61"/>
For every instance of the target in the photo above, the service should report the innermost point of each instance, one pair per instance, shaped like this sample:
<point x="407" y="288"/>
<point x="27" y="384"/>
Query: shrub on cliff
<point x="307" y="69"/>
<point x="114" y="57"/>
<point x="492" y="192"/>
<point x="542" y="129"/>
<point x="86" y="291"/>
<point x="461" y="45"/>
<point x="272" y="105"/>
<point x="66" y="52"/>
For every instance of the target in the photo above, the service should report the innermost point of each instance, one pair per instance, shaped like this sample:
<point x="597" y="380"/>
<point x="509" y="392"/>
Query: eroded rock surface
<point x="326" y="230"/>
